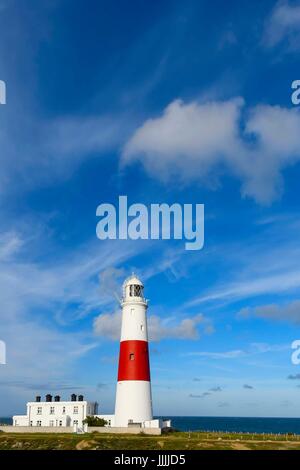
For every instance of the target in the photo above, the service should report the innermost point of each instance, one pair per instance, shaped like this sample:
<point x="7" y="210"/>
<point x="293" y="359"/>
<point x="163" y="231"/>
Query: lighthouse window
<point x="131" y="356"/>
<point x="137" y="291"/>
<point x="142" y="327"/>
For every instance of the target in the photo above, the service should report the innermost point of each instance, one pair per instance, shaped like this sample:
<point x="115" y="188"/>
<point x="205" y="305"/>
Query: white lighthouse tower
<point x="133" y="398"/>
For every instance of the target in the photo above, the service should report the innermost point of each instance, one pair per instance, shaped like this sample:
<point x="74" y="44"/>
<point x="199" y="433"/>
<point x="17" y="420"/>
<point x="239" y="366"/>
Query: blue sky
<point x="166" y="101"/>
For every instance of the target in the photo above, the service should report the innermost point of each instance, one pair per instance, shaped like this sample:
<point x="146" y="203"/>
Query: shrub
<point x="94" y="421"/>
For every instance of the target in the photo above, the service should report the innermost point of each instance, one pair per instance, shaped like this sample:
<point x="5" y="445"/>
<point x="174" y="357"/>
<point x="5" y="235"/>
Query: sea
<point x="231" y="424"/>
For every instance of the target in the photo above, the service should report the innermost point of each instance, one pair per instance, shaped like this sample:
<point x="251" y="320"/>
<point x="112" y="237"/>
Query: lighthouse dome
<point x="133" y="279"/>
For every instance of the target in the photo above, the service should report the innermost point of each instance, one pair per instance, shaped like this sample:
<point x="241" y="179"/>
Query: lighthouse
<point x="133" y="408"/>
<point x="133" y="397"/>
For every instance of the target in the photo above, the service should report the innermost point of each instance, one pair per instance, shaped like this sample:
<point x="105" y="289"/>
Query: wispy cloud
<point x="283" y="24"/>
<point x="28" y="384"/>
<point x="218" y="355"/>
<point x="40" y="299"/>
<point x="282" y="282"/>
<point x="202" y="395"/>
<point x="253" y="349"/>
<point x="261" y="268"/>
<point x="58" y="147"/>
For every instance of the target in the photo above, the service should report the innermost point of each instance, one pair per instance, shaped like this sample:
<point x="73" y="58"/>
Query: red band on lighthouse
<point x="134" y="361"/>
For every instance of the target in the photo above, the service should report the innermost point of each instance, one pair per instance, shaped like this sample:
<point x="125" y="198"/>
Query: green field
<point x="172" y="441"/>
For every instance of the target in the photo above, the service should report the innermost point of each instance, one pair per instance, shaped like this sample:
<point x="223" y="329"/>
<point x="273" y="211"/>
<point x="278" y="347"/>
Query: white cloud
<point x="186" y="329"/>
<point x="187" y="137"/>
<point x="197" y="142"/>
<point x="283" y="23"/>
<point x="109" y="325"/>
<point x="288" y="312"/>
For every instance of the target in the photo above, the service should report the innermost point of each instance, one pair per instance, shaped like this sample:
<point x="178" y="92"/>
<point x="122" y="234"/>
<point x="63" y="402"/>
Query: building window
<point x="39" y="410"/>
<point x="60" y="423"/>
<point x="131" y="356"/>
<point x="64" y="409"/>
<point x="51" y="423"/>
<point x="142" y="327"/>
<point x="75" y="421"/>
<point x="39" y="423"/>
<point x="30" y="423"/>
<point x="52" y="410"/>
<point x="75" y="410"/>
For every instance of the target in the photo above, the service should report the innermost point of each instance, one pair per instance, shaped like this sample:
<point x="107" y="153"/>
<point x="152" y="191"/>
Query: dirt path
<point x="239" y="446"/>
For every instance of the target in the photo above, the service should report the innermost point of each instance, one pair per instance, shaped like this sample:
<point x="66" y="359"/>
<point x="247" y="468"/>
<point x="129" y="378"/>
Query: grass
<point x="172" y="441"/>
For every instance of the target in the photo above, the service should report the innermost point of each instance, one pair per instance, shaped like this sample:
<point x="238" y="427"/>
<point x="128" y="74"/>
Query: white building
<point x="57" y="412"/>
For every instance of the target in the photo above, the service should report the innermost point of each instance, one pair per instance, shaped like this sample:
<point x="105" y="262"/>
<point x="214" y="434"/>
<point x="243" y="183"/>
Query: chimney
<point x="37" y="398"/>
<point x="80" y="397"/>
<point x="73" y="397"/>
<point x="57" y="398"/>
<point x="48" y="397"/>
